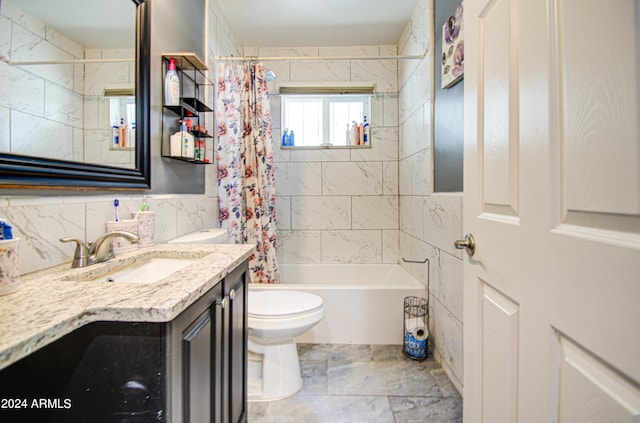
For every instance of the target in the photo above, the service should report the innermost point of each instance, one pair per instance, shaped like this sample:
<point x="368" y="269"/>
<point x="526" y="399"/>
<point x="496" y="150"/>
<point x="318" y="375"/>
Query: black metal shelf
<point x="194" y="86"/>
<point x="188" y="159"/>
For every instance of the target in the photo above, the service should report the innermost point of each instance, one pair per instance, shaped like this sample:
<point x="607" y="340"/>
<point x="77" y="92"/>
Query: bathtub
<point x="363" y="302"/>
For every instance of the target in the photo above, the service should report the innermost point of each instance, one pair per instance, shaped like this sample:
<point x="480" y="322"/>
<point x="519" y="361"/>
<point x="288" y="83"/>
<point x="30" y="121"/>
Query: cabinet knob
<point x="232" y="294"/>
<point x="223" y="303"/>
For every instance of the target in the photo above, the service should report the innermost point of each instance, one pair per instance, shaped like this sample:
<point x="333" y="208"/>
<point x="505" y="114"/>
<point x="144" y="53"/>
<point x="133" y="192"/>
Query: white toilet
<point x="276" y="318"/>
<point x="203" y="236"/>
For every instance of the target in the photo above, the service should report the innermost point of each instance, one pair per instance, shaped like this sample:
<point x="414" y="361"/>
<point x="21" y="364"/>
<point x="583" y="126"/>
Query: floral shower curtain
<point x="246" y="185"/>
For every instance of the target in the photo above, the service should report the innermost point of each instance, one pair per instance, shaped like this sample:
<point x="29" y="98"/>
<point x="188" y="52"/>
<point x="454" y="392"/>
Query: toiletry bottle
<point x="292" y="139"/>
<point x="348" y="135"/>
<point x="176" y="144"/>
<point x="356" y="134"/>
<point x="187" y="142"/>
<point x="199" y="150"/>
<point x="285" y="138"/>
<point x="172" y="85"/>
<point x="6" y="231"/>
<point x="365" y="130"/>
<point x="114" y="134"/>
<point x="352" y="133"/>
<point x="132" y="135"/>
<point x="123" y="133"/>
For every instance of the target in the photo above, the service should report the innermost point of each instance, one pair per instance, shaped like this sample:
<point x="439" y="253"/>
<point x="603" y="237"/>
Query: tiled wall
<point x="339" y="205"/>
<point x="40" y="221"/>
<point x="97" y="126"/>
<point x="429" y="222"/>
<point x="41" y="106"/>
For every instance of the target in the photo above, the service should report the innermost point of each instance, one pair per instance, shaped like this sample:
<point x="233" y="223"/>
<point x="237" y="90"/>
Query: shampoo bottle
<point x="285" y="138"/>
<point x="172" y="85"/>
<point x="356" y="134"/>
<point x="114" y="134"/>
<point x="123" y="134"/>
<point x="292" y="139"/>
<point x="365" y="130"/>
<point x="132" y="135"/>
<point x="187" y="142"/>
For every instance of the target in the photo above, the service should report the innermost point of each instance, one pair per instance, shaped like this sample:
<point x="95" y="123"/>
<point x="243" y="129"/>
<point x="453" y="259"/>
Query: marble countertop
<point x="54" y="302"/>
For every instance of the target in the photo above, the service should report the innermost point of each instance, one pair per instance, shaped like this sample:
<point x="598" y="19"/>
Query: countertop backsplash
<point x="40" y="222"/>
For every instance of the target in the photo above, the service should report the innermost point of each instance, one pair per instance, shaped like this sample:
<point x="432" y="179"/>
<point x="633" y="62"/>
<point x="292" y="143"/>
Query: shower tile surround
<point x="375" y="205"/>
<point x="338" y="206"/>
<point x="429" y="222"/>
<point x="334" y="206"/>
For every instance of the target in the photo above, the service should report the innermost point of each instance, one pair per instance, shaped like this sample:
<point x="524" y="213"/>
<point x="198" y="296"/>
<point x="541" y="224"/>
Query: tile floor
<point x="364" y="384"/>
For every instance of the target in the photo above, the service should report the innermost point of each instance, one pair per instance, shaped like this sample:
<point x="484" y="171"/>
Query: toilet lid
<point x="277" y="303"/>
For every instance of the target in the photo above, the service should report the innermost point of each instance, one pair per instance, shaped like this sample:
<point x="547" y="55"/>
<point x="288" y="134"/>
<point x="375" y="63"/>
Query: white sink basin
<point x="149" y="271"/>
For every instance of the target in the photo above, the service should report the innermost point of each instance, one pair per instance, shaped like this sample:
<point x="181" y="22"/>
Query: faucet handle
<point x="81" y="254"/>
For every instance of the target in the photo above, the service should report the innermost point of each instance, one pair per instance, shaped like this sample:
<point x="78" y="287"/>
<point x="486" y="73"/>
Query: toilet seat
<point x="280" y="304"/>
<point x="275" y="318"/>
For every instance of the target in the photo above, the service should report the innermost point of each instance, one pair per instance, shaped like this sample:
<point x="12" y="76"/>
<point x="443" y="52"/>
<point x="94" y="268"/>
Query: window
<point x="324" y="119"/>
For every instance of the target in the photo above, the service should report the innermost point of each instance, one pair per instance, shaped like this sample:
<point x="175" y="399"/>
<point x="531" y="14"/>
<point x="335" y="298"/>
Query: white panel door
<point x="552" y="198"/>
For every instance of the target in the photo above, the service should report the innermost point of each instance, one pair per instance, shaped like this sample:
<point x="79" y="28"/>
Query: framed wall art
<point x="452" y="49"/>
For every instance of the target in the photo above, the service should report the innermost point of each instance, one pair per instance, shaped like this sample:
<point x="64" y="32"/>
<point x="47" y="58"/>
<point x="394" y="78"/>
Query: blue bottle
<point x="285" y="138"/>
<point x="292" y="139"/>
<point x="365" y="128"/>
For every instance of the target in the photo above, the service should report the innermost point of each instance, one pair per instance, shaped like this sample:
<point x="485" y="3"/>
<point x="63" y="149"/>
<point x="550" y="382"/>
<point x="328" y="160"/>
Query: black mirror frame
<point x="23" y="172"/>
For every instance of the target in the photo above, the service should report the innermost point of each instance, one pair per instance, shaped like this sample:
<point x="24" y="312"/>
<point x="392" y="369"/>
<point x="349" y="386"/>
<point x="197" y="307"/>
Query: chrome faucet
<point x="97" y="251"/>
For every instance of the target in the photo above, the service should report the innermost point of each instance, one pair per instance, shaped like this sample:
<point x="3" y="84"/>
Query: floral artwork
<point x="452" y="49"/>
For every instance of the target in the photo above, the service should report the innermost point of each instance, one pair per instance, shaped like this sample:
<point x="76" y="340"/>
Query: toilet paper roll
<point x="420" y="333"/>
<point x="417" y="329"/>
<point x="410" y="324"/>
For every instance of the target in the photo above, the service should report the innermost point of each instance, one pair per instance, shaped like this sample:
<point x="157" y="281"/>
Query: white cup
<point x="120" y="244"/>
<point x="9" y="266"/>
<point x="146" y="228"/>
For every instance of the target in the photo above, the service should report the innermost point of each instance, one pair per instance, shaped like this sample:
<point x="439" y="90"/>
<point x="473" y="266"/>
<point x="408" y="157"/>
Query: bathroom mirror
<point x="66" y="86"/>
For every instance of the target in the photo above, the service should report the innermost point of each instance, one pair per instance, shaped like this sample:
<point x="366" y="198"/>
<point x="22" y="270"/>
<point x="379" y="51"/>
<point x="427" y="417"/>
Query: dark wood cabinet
<point x="190" y="370"/>
<point x="195" y="344"/>
<point x="209" y="358"/>
<point x="235" y="287"/>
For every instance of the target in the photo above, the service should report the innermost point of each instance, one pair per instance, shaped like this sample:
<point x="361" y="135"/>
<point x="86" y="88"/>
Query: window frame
<point x="366" y="98"/>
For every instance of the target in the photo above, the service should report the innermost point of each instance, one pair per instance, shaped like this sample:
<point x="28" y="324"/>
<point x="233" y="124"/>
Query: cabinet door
<point x="235" y="287"/>
<point x="196" y="362"/>
<point x="218" y="360"/>
<point x="197" y="368"/>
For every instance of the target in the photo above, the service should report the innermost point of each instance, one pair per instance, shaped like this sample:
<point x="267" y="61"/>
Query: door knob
<point x="468" y="244"/>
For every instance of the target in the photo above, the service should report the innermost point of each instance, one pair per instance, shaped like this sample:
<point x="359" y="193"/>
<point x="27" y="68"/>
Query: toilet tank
<point x="203" y="236"/>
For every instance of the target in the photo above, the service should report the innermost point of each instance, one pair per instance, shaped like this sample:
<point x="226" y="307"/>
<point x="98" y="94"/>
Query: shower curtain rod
<point x="63" y="62"/>
<point x="315" y="58"/>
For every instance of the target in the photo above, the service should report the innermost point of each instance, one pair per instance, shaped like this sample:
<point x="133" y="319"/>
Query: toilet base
<point x="273" y="371"/>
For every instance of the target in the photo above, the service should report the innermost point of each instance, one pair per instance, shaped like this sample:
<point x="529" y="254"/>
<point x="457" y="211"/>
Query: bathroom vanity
<point x="74" y="347"/>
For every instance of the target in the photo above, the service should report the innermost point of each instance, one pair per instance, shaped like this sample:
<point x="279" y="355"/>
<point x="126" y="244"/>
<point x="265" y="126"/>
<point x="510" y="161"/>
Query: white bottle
<point x="187" y="142"/>
<point x="172" y="85"/>
<point x="132" y="135"/>
<point x="365" y="130"/>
